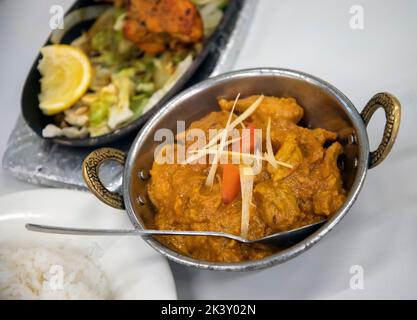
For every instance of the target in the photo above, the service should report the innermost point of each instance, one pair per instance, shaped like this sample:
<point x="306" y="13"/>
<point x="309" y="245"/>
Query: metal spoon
<point x="281" y="239"/>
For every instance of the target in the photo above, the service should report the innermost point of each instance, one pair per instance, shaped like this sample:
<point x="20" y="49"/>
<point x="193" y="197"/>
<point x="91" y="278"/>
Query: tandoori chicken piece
<point x="155" y="25"/>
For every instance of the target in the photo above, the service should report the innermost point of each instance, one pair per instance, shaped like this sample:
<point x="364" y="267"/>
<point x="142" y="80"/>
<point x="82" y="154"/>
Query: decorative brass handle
<point x="392" y="108"/>
<point x="91" y="167"/>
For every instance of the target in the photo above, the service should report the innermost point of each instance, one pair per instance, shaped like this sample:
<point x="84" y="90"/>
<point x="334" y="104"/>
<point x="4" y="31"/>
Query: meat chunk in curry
<point x="156" y="25"/>
<point x="284" y="198"/>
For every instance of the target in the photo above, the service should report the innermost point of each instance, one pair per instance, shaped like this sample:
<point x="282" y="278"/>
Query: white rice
<point x="40" y="273"/>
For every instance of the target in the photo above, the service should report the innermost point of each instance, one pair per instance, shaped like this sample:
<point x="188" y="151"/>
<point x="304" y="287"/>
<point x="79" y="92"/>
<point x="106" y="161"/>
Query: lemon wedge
<point x="66" y="75"/>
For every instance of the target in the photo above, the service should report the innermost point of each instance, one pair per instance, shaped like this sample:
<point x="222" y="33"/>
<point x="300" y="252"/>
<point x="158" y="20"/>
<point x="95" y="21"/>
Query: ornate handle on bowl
<point x="392" y="108"/>
<point x="91" y="167"/>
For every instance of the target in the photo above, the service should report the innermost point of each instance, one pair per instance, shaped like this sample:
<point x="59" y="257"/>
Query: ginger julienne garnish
<point x="246" y="173"/>
<point x="246" y="185"/>
<point x="213" y="168"/>
<point x="218" y="149"/>
<point x="236" y="122"/>
<point x="269" y="151"/>
<point x="243" y="155"/>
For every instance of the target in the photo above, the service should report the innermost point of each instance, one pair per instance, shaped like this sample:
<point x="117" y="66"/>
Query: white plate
<point x="134" y="270"/>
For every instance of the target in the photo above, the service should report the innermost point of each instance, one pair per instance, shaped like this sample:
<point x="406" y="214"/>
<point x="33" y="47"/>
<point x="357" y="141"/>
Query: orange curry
<point x="283" y="198"/>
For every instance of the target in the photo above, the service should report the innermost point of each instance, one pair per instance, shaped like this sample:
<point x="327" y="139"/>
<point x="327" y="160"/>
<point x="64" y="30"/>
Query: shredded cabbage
<point x="125" y="82"/>
<point x="120" y="112"/>
<point x="118" y="25"/>
<point x="145" y="87"/>
<point x="99" y="106"/>
<point x="137" y="104"/>
<point x="164" y="68"/>
<point x="77" y="115"/>
<point x="179" y="72"/>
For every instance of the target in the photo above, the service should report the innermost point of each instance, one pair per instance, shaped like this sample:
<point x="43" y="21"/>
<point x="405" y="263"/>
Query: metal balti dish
<point x="30" y="103"/>
<point x="324" y="106"/>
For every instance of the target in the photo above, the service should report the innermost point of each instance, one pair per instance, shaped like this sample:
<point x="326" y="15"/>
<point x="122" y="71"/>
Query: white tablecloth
<point x="380" y="233"/>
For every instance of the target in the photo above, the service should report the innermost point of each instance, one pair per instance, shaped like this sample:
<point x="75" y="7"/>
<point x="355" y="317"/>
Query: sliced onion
<point x="52" y="131"/>
<point x="211" y="16"/>
<point x="118" y="25"/>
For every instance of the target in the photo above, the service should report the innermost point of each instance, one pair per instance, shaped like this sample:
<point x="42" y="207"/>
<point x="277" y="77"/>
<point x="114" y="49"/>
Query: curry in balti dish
<point x="297" y="183"/>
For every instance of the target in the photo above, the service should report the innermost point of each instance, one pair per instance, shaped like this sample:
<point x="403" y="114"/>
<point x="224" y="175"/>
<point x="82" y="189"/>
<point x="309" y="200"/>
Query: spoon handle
<point x="82" y="231"/>
<point x="126" y="232"/>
